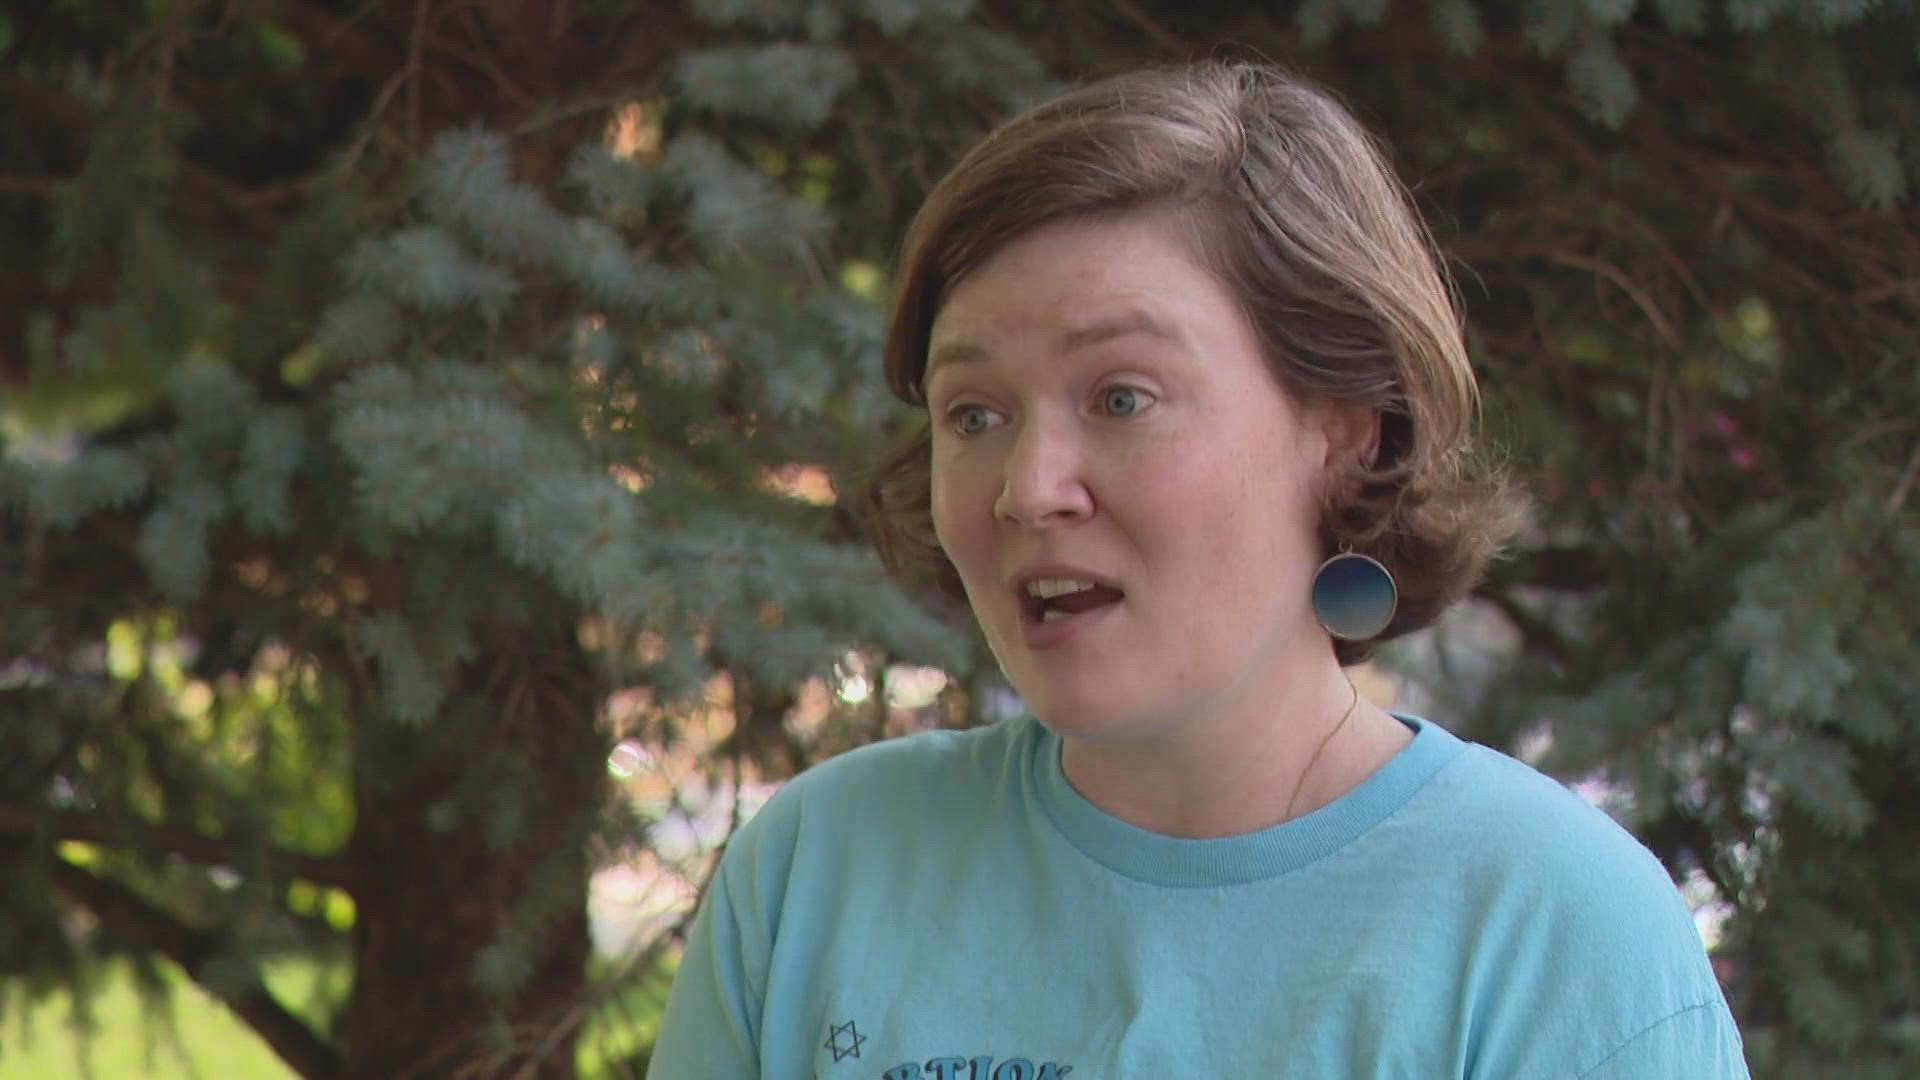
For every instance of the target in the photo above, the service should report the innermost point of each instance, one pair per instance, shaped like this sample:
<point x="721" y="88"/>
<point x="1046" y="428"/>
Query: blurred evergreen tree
<point x="389" y="385"/>
<point x="384" y="384"/>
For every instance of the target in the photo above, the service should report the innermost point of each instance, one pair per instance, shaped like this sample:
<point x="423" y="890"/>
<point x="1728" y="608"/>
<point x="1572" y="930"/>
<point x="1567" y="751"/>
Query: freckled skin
<point x="1195" y="492"/>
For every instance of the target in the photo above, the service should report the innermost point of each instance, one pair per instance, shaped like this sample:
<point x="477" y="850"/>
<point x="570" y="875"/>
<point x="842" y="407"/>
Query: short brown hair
<point x="1298" y="213"/>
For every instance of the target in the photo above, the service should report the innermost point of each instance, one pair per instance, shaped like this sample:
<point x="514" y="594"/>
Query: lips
<point x="1049" y="596"/>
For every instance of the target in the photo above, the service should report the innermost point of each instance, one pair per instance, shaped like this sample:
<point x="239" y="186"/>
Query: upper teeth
<point x="1048" y="588"/>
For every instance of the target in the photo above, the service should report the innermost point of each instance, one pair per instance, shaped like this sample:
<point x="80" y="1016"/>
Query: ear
<point x="1352" y="436"/>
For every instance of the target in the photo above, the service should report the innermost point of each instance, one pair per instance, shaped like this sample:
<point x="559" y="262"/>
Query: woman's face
<point x="1129" y="496"/>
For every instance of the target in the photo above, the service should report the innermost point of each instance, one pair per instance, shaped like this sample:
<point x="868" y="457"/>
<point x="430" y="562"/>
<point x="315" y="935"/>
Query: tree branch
<point x="343" y="41"/>
<point x="77" y="122"/>
<point x="1900" y="490"/>
<point x="1621" y="280"/>
<point x="132" y="917"/>
<point x="1160" y="35"/>
<point x="329" y="870"/>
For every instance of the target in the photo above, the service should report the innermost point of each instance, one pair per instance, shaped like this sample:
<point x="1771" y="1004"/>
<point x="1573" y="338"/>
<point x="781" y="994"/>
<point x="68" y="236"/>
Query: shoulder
<point x="1574" y="930"/>
<point x="938" y="766"/>
<point x="1508" y="821"/>
<point x="907" y="784"/>
<point x="1559" y="856"/>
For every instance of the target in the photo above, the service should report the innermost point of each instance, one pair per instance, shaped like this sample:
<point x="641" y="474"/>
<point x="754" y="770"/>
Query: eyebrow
<point x="1080" y="337"/>
<point x="1134" y="321"/>
<point x="953" y="352"/>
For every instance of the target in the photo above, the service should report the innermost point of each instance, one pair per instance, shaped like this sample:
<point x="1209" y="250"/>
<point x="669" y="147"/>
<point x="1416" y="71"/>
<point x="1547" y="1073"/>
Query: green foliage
<point x="731" y="207"/>
<point x="1752" y="16"/>
<point x="1688" y="17"/>
<point x="109" y="202"/>
<point x="1319" y="20"/>
<point x="1868" y="162"/>
<point x="896" y="17"/>
<point x="764" y="15"/>
<point x="1603" y="84"/>
<point x="1458" y="25"/>
<point x="1610" y="12"/>
<point x="361" y="440"/>
<point x="732" y="81"/>
<point x="64" y="491"/>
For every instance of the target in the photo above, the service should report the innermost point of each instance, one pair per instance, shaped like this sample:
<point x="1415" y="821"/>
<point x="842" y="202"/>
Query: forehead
<point x="1073" y="335"/>
<point x="1077" y="283"/>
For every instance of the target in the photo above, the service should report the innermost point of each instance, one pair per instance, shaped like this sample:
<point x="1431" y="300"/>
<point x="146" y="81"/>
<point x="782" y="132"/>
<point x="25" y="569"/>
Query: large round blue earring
<point x="1354" y="596"/>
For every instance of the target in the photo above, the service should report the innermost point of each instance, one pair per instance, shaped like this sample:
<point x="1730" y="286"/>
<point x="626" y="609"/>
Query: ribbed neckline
<point x="1235" y="860"/>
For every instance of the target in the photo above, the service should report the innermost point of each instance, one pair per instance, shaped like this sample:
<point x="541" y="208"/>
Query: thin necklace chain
<point x="1300" y="784"/>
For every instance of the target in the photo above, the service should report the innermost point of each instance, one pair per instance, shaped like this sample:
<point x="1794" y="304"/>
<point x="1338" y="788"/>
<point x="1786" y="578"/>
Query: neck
<point x="1238" y="771"/>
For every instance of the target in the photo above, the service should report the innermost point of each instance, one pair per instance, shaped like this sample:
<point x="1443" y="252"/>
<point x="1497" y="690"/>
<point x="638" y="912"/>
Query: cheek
<point x="953" y="517"/>
<point x="943" y="524"/>
<point x="1236" y="508"/>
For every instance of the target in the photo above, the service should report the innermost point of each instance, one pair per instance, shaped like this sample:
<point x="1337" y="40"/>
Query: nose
<point x="1044" y="480"/>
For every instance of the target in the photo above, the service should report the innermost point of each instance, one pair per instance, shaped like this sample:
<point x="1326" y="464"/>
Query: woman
<point x="1199" y="435"/>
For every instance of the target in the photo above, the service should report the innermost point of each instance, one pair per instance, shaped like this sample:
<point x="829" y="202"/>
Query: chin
<point x="1095" y="718"/>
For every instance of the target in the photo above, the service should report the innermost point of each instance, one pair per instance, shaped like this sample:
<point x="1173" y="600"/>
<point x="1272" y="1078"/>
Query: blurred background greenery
<point x="430" y="433"/>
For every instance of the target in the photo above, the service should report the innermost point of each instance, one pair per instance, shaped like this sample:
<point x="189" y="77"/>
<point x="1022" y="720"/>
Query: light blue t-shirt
<point x="948" y="907"/>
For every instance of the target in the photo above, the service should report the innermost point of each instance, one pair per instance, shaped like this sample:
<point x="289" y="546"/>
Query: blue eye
<point x="971" y="419"/>
<point x="1123" y="401"/>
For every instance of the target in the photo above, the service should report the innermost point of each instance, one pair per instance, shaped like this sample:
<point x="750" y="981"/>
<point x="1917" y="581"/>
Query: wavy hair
<point x="1295" y="209"/>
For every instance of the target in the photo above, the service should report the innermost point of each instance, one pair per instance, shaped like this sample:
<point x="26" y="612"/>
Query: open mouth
<point x="1052" y="599"/>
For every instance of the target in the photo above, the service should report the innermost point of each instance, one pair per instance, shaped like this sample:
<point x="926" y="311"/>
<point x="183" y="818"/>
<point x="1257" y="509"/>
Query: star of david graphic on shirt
<point x="850" y="1048"/>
